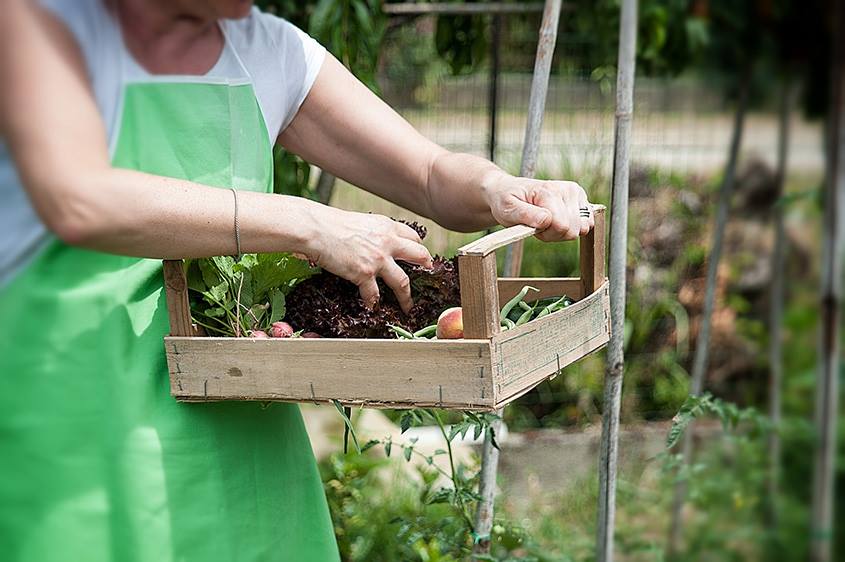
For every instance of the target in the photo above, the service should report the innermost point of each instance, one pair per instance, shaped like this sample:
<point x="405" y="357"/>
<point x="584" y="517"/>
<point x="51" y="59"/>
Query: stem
<point x="238" y="308"/>
<point x="702" y="344"/>
<point x="454" y="476"/>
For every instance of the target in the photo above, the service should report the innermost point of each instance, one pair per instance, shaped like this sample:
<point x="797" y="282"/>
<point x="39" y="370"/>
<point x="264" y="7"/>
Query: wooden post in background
<point x="618" y="264"/>
<point x="513" y="253"/>
<point x="776" y="303"/>
<point x="832" y="258"/>
<point x="536" y="109"/>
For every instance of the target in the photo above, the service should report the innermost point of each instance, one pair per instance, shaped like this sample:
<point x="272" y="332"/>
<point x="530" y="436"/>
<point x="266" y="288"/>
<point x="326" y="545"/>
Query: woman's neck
<point x="169" y="36"/>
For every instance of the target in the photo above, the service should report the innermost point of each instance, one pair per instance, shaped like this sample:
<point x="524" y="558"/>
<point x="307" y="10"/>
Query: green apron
<point x="97" y="461"/>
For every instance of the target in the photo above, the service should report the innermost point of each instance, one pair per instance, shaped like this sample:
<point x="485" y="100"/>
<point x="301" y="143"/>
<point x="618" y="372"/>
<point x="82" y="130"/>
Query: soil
<point x="332" y="307"/>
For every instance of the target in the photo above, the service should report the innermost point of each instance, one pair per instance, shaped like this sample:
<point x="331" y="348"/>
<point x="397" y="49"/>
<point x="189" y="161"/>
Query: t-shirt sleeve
<point x="84" y="19"/>
<point x="294" y="57"/>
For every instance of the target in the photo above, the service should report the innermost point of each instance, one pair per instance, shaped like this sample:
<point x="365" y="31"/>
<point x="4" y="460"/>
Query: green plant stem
<point x="454" y="477"/>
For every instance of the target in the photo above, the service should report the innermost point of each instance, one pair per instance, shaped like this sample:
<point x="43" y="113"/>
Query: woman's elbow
<point x="71" y="215"/>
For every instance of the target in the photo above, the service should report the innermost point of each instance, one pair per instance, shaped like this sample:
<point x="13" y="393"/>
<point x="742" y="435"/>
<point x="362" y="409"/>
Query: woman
<point x="121" y="121"/>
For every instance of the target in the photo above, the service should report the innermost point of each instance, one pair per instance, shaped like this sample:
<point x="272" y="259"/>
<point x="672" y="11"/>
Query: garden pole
<point x="493" y="93"/>
<point x="776" y="303"/>
<point x="626" y="70"/>
<point x="536" y="108"/>
<point x="702" y="344"/>
<point x="833" y="247"/>
<point x="513" y="261"/>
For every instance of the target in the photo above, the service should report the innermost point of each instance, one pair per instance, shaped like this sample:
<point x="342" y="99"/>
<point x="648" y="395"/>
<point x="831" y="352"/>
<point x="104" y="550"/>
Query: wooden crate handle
<point x="478" y="275"/>
<point x="176" y="293"/>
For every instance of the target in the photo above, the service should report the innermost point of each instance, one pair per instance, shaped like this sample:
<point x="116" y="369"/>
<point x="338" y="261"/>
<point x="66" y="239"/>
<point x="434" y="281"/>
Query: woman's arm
<point x="344" y="128"/>
<point x="50" y="122"/>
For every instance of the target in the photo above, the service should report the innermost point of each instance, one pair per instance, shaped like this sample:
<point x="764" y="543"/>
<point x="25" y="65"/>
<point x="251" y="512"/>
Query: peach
<point x="450" y="324"/>
<point x="281" y="330"/>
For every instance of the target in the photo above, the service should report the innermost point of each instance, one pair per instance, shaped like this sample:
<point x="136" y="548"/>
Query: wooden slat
<point x="593" y="254"/>
<point x="375" y="373"/>
<point x="479" y="295"/>
<point x="176" y="291"/>
<point x="549" y="287"/>
<point x="495" y="240"/>
<point x="525" y="356"/>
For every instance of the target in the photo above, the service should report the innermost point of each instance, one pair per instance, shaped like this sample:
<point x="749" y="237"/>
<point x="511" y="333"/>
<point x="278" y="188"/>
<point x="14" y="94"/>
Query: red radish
<point x="259" y="335"/>
<point x="311" y="335"/>
<point x="281" y="330"/>
<point x="450" y="324"/>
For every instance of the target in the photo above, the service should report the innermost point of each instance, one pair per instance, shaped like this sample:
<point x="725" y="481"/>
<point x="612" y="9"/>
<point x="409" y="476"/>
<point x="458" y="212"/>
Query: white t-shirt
<point x="282" y="61"/>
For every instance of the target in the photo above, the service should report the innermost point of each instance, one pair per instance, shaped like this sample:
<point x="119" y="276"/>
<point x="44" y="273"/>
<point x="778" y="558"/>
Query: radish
<point x="281" y="330"/>
<point x="259" y="335"/>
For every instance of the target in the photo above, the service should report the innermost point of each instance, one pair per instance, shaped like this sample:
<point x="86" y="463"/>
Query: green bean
<point x="552" y="307"/>
<point x="525" y="317"/>
<point x="401" y="332"/>
<point x="424" y="332"/>
<point x="508" y="323"/>
<point x="513" y="302"/>
<point x="524" y="306"/>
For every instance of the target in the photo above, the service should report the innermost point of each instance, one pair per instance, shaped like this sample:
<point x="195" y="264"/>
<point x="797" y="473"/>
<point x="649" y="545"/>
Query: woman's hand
<point x="361" y="247"/>
<point x="552" y="207"/>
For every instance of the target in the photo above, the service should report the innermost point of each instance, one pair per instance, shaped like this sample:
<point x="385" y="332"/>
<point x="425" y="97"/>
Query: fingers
<point x="405" y="231"/>
<point x="368" y="289"/>
<point x="521" y="212"/>
<point x="583" y="203"/>
<point x="565" y="224"/>
<point x="412" y="252"/>
<point x="398" y="280"/>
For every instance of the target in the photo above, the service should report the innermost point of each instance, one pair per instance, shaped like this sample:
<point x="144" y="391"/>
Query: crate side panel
<point x="525" y="356"/>
<point x="390" y="373"/>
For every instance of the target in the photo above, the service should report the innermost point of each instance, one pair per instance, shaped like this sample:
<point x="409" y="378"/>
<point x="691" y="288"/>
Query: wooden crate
<point x="485" y="371"/>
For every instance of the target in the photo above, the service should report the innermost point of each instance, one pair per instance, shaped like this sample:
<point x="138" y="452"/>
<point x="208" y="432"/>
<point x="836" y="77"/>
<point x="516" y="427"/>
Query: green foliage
<point x="352" y="30"/>
<point x="461" y="41"/>
<point x="291" y="175"/>
<point x="417" y="518"/>
<point x="230" y="297"/>
<point x="727" y="412"/>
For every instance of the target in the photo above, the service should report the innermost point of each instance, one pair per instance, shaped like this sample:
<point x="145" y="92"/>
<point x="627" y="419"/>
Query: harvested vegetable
<point x="281" y="330"/>
<point x="450" y="324"/>
<point x="234" y="298"/>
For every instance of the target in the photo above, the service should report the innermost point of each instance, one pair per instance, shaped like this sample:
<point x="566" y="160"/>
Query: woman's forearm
<point x="132" y="213"/>
<point x="458" y="187"/>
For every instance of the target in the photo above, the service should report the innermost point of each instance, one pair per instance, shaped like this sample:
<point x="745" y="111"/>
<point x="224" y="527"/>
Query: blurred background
<point x="704" y="67"/>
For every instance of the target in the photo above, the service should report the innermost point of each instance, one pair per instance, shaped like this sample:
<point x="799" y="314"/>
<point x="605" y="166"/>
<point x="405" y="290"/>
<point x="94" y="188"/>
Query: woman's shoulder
<point x="282" y="59"/>
<point x="91" y="24"/>
<point x="265" y="33"/>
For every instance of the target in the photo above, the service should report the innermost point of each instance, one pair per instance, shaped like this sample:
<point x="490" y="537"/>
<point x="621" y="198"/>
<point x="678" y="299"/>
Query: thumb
<point x="531" y="215"/>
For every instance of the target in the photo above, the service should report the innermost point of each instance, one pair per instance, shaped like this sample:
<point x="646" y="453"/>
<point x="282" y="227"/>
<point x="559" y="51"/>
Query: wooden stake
<point x="536" y="109"/>
<point x="776" y="302"/>
<point x="513" y="256"/>
<point x="833" y="250"/>
<point x="618" y="263"/>
<point x="699" y="368"/>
